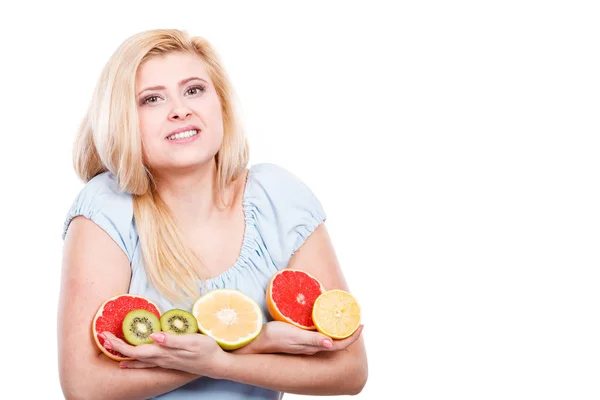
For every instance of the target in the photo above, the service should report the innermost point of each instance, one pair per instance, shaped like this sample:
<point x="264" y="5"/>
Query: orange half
<point x="336" y="313"/>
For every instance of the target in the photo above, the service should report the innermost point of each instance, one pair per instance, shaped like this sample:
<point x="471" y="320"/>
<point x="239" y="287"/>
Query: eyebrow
<point x="181" y="83"/>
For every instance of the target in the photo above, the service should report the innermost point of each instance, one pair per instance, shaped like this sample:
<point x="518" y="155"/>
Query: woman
<point x="168" y="200"/>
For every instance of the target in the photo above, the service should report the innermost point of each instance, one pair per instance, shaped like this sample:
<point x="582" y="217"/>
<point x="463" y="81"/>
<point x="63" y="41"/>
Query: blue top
<point x="280" y="213"/>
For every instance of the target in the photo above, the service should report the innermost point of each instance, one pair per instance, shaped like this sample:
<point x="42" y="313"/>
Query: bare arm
<point x="335" y="372"/>
<point x="94" y="269"/>
<point x="325" y="373"/>
<point x="331" y="371"/>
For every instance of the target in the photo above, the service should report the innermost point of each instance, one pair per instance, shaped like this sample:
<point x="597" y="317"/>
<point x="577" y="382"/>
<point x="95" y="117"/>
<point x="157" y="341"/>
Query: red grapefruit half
<point x="110" y="316"/>
<point x="291" y="295"/>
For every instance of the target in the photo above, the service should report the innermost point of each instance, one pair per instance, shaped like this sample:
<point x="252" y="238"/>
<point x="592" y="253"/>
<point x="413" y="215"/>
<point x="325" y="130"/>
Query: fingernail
<point x="327" y="343"/>
<point x="101" y="336"/>
<point x="107" y="345"/>
<point x="158" y="337"/>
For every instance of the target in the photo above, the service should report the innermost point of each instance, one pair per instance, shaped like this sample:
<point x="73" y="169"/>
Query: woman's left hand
<point x="195" y="353"/>
<point x="285" y="338"/>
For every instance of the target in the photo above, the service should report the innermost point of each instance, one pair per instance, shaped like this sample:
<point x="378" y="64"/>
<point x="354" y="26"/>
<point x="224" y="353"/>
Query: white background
<point x="454" y="146"/>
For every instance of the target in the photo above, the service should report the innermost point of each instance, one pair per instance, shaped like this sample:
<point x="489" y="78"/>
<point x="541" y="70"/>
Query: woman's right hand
<point x="281" y="337"/>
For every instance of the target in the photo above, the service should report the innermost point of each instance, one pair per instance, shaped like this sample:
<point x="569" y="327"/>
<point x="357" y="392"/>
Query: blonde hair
<point x="109" y="140"/>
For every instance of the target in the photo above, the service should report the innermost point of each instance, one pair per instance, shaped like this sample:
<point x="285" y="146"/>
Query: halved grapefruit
<point x="110" y="316"/>
<point x="229" y="316"/>
<point x="290" y="297"/>
<point x="336" y="313"/>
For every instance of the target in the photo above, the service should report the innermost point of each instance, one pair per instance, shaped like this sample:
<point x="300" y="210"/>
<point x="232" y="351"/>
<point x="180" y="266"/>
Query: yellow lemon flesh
<point x="336" y="313"/>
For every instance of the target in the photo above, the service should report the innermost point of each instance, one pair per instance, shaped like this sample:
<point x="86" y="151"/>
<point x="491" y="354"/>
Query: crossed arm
<point x="94" y="268"/>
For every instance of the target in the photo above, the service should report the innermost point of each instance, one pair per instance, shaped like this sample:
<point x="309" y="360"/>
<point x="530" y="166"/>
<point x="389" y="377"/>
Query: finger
<point x="345" y="343"/>
<point x="135" y="364"/>
<point x="142" y="351"/>
<point x="317" y="340"/>
<point x="112" y="342"/>
<point x="181" y="342"/>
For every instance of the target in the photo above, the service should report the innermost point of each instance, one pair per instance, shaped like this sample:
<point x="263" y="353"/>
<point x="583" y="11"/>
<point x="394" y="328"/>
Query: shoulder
<point x="268" y="171"/>
<point x="103" y="191"/>
<point x="102" y="202"/>
<point x="275" y="179"/>
<point x="285" y="209"/>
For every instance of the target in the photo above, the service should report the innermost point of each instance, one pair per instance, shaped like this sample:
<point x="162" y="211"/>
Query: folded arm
<point x="313" y="369"/>
<point x="325" y="373"/>
<point x="94" y="269"/>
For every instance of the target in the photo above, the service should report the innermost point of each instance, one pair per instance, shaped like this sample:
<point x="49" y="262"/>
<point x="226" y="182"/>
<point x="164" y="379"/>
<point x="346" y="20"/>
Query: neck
<point x="191" y="196"/>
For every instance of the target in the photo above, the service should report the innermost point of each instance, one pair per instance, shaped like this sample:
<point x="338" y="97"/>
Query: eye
<point x="150" y="99"/>
<point x="194" y="90"/>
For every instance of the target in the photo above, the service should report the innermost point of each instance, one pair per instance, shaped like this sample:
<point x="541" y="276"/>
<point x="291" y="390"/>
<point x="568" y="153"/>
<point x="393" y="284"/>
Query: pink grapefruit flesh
<point x="291" y="295"/>
<point x="110" y="316"/>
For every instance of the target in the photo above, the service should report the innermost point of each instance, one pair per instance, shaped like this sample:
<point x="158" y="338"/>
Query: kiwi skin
<point x="138" y="325"/>
<point x="178" y="322"/>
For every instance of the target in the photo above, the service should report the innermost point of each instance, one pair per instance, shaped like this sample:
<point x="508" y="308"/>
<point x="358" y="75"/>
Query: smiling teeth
<point x="183" y="135"/>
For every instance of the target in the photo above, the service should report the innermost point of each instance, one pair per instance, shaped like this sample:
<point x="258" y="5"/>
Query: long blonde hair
<point x="109" y="140"/>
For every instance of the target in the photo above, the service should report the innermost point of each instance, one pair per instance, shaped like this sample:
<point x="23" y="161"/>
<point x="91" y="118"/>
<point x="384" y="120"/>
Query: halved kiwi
<point x="138" y="325"/>
<point x="179" y="322"/>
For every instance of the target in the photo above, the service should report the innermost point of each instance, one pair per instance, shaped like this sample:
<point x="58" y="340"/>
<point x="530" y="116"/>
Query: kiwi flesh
<point x="179" y="322"/>
<point x="138" y="325"/>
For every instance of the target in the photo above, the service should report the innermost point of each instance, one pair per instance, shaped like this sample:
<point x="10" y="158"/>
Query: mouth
<point x="184" y="133"/>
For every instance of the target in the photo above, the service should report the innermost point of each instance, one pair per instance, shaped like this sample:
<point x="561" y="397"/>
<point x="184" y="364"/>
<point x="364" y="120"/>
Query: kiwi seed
<point x="138" y="325"/>
<point x="179" y="322"/>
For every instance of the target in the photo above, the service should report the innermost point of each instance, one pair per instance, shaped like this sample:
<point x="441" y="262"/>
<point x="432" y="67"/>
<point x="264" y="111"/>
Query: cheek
<point x="145" y="120"/>
<point x="148" y="134"/>
<point x="149" y="121"/>
<point x="217" y="121"/>
<point x="218" y="134"/>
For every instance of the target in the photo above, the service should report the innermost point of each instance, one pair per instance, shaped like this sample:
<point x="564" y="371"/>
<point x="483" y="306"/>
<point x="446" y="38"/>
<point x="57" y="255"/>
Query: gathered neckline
<point x="245" y="238"/>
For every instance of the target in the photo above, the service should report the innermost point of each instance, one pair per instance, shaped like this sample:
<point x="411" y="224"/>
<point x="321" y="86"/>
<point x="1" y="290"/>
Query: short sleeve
<point x="101" y="202"/>
<point x="286" y="210"/>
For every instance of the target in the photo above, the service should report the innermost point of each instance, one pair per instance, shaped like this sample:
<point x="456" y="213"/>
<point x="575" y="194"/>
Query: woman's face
<point x="179" y="112"/>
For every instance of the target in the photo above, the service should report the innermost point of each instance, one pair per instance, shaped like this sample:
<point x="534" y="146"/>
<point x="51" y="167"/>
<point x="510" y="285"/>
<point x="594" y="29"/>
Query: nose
<point x="179" y="111"/>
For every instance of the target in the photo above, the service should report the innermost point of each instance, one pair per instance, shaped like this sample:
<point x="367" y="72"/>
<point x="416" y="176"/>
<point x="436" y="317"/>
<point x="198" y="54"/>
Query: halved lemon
<point x="336" y="313"/>
<point x="229" y="316"/>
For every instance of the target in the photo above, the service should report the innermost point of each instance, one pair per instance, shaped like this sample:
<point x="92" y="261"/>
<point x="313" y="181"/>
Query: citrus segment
<point x="291" y="295"/>
<point x="229" y="316"/>
<point x="110" y="316"/>
<point x="336" y="313"/>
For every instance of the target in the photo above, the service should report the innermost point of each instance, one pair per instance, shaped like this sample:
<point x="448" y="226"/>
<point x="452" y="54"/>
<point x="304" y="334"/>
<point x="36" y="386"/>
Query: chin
<point x="189" y="164"/>
<point x="184" y="160"/>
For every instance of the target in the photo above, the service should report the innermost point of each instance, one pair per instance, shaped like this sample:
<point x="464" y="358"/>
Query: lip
<point x="183" y="129"/>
